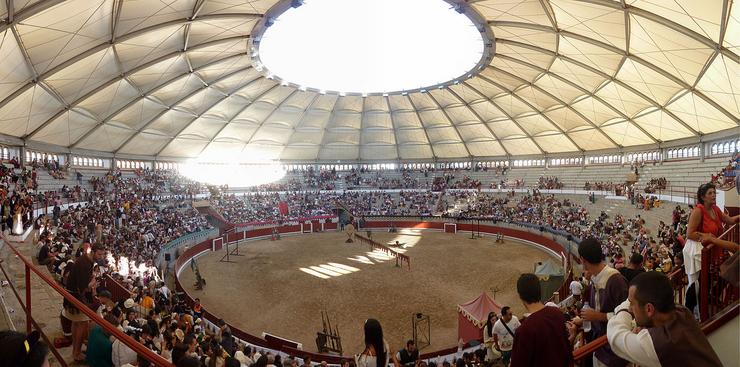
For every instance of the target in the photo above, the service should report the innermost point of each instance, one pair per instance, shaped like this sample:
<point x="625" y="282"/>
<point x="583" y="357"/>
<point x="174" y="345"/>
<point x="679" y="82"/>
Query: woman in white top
<point x="376" y="353"/>
<point x="491" y="353"/>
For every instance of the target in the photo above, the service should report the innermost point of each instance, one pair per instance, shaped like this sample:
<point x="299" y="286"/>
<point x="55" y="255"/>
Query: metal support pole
<point x="29" y="321"/>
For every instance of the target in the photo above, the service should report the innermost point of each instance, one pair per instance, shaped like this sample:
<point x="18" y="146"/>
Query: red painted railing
<point x="715" y="293"/>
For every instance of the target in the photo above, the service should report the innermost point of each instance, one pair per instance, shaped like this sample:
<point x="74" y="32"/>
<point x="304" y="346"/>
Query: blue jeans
<point x="506" y="356"/>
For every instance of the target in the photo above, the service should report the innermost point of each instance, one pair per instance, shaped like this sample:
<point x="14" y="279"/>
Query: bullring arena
<point x="267" y="289"/>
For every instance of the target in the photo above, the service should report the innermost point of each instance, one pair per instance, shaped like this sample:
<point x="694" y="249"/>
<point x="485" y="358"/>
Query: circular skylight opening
<point x="371" y="46"/>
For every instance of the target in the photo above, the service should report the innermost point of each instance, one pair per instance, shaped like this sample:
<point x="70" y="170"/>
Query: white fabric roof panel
<point x="175" y="79"/>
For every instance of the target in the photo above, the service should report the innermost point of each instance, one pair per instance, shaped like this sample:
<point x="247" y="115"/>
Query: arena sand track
<point x="265" y="290"/>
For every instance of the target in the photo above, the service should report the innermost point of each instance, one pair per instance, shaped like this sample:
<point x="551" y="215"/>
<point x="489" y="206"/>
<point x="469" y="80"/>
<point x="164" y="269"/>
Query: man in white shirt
<point x="576" y="288"/>
<point x="503" y="333"/>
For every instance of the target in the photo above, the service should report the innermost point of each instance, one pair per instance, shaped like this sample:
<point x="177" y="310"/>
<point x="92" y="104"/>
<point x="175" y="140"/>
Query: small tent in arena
<point x="472" y="316"/>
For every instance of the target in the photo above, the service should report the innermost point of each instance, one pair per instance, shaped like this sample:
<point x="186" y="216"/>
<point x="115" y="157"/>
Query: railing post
<point x="29" y="321"/>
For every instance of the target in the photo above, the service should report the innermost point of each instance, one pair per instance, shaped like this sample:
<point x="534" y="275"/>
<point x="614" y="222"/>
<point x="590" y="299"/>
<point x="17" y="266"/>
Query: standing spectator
<point x="609" y="289"/>
<point x="634" y="268"/>
<point x="542" y="338"/>
<point x="669" y="336"/>
<point x="491" y="353"/>
<point x="376" y="353"/>
<point x="99" y="345"/>
<point x="503" y="333"/>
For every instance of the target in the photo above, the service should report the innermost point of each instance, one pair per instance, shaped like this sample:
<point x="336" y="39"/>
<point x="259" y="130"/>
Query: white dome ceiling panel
<point x="110" y="99"/>
<point x="237" y="6"/>
<point x="105" y="138"/>
<point x="504" y="81"/>
<point x="85" y="75"/>
<point x="662" y="126"/>
<point x="595" y="111"/>
<point x="14" y="72"/>
<point x="150" y="45"/>
<point x="227" y="108"/>
<point x="521" y="147"/>
<point x="515" y="52"/>
<point x="23" y="114"/>
<point x="445" y="98"/>
<point x="259" y="151"/>
<point x="702" y="17"/>
<point x="203" y="128"/>
<point x="591" y="139"/>
<point x="488" y="111"/>
<point x="178" y="89"/>
<point x="315" y="119"/>
<point x="285" y="117"/>
<point x="415" y="151"/>
<point x="201" y="101"/>
<point x="338" y="152"/>
<point x="138" y="114"/>
<point x="209" y="29"/>
<point x="506" y="129"/>
<point x="255" y="112"/>
<point x="512" y="106"/>
<point x="169" y="123"/>
<point x="422" y="101"/>
<point x="667" y="49"/>
<point x="375" y="104"/>
<point x="183" y="147"/>
<point x="341" y="137"/>
<point x="252" y="91"/>
<point x="526" y="11"/>
<point x="349" y="103"/>
<point x="277" y="95"/>
<point x="382" y="137"/>
<point x="400" y="103"/>
<point x="217" y="70"/>
<point x="567" y="119"/>
<point x="589" y="54"/>
<point x="139" y="14"/>
<point x="144" y="144"/>
<point x="404" y="120"/>
<point x="342" y="119"/>
<point x="700" y="115"/>
<point x="472" y="132"/>
<point x="450" y="150"/>
<point x="411" y="136"/>
<point x="732" y="33"/>
<point x="216" y="50"/>
<point x="324" y="102"/>
<point x="555" y="143"/>
<point x="237" y="80"/>
<point x="484" y="87"/>
<point x="434" y="118"/>
<point x="626" y="134"/>
<point x="65" y="129"/>
<point x="51" y="39"/>
<point x="648" y="81"/>
<point x="465" y="93"/>
<point x="485" y="149"/>
<point x="299" y="101"/>
<point x="537" y="124"/>
<point x="559" y="88"/>
<point x="160" y="73"/>
<point x="622" y="98"/>
<point x="3" y="11"/>
<point x="303" y="137"/>
<point x="223" y="149"/>
<point x="720" y="82"/>
<point x="377" y="120"/>
<point x="371" y="152"/>
<point x="237" y="131"/>
<point x="523" y="35"/>
<point x="272" y="134"/>
<point x="518" y="72"/>
<point x="581" y="76"/>
<point x="536" y="97"/>
<point x="298" y="152"/>
<point x="443" y="135"/>
<point x="461" y="114"/>
<point x="601" y="22"/>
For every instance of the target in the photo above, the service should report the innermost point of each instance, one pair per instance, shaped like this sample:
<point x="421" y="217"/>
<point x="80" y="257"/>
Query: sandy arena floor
<point x="266" y="290"/>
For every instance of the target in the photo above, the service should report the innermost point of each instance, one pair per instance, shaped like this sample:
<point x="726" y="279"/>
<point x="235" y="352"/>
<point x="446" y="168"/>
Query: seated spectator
<point x="542" y="339"/>
<point x="669" y="336"/>
<point x="21" y="350"/>
<point x="634" y="268"/>
<point x="409" y="355"/>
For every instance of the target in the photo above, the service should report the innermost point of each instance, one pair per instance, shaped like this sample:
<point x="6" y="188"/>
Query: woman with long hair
<point x="376" y="353"/>
<point x="491" y="353"/>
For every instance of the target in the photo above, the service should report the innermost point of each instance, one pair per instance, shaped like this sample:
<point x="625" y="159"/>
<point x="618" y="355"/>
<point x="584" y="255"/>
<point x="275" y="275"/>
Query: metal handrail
<point x="137" y="347"/>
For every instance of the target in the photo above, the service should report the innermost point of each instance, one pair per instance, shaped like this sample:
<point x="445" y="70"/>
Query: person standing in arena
<point x="609" y="289"/>
<point x="669" y="335"/>
<point x="542" y="338"/>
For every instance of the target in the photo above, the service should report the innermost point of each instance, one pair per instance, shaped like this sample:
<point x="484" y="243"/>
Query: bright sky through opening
<point x="371" y="46"/>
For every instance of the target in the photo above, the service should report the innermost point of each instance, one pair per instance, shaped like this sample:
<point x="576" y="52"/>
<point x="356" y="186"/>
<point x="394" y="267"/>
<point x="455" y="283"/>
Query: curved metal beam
<point x="477" y="115"/>
<point x="447" y="116"/>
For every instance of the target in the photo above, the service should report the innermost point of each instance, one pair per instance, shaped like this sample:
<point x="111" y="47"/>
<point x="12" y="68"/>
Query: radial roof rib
<point x="567" y="105"/>
<point x="490" y="100"/>
<point x="423" y="128"/>
<point x="393" y="123"/>
<point x="148" y="123"/>
<point x="478" y="116"/>
<point x="452" y="123"/>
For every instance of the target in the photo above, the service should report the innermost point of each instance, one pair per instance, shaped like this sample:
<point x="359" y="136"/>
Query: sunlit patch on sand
<point x="326" y="271"/>
<point x="407" y="238"/>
